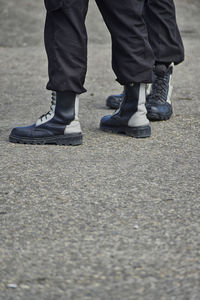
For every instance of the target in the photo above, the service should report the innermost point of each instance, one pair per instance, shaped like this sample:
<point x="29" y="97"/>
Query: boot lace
<point x="159" y="89"/>
<point x="52" y="107"/>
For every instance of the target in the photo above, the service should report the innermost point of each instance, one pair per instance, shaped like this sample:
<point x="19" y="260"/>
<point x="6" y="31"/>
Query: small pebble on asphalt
<point x="12" y="286"/>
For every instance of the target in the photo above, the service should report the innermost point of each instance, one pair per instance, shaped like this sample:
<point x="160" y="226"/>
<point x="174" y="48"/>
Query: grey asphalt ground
<point x="116" y="218"/>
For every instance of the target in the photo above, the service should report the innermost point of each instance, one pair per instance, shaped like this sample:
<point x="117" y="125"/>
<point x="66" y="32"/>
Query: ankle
<point x="65" y="96"/>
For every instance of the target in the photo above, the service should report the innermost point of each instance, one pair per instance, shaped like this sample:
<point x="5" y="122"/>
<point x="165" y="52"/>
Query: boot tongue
<point x="160" y="69"/>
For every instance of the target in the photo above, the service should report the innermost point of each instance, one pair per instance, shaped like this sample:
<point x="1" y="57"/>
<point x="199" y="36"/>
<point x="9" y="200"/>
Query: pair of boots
<point x="61" y="125"/>
<point x="158" y="99"/>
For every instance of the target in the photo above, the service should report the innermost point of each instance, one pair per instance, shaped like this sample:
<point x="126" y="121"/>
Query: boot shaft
<point x="161" y="89"/>
<point x="132" y="110"/>
<point x="63" y="110"/>
<point x="66" y="106"/>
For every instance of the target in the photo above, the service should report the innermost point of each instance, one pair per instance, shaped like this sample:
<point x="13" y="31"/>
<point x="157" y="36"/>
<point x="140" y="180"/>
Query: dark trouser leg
<point x="66" y="45"/>
<point x="133" y="57"/>
<point x="164" y="35"/>
<point x="166" y="42"/>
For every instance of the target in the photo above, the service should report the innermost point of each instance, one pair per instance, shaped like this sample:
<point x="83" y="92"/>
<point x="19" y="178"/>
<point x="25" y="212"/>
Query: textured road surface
<point x="116" y="218"/>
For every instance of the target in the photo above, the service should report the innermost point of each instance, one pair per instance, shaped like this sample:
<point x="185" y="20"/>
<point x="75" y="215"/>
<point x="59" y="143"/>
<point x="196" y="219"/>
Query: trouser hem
<point x="65" y="88"/>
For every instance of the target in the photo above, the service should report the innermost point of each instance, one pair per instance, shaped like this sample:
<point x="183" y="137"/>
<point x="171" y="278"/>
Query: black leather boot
<point x="159" y="106"/>
<point x="59" y="126"/>
<point x="130" y="118"/>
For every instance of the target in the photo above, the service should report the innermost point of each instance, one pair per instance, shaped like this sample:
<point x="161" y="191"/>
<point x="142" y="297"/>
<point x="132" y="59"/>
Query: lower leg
<point x="66" y="47"/>
<point x="66" y="42"/>
<point x="132" y="56"/>
<point x="164" y="35"/>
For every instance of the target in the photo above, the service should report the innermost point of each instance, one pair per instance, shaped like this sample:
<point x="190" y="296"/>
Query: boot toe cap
<point x="159" y="111"/>
<point x="22" y="131"/>
<point x="105" y="120"/>
<point x="110" y="121"/>
<point x="161" y="108"/>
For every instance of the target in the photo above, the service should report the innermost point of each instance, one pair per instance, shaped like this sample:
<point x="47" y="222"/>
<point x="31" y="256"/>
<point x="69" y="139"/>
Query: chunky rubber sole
<point x="136" y="132"/>
<point x="65" y="140"/>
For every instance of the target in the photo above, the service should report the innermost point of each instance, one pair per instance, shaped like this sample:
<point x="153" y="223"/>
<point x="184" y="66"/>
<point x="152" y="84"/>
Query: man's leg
<point x="66" y="46"/>
<point x="165" y="39"/>
<point x="132" y="63"/>
<point x="132" y="56"/>
<point x="164" y="35"/>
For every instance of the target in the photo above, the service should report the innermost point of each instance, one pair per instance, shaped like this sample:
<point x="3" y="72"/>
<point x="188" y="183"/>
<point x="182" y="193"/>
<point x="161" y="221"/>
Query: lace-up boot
<point x="159" y="106"/>
<point x="130" y="118"/>
<point x="59" y="126"/>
